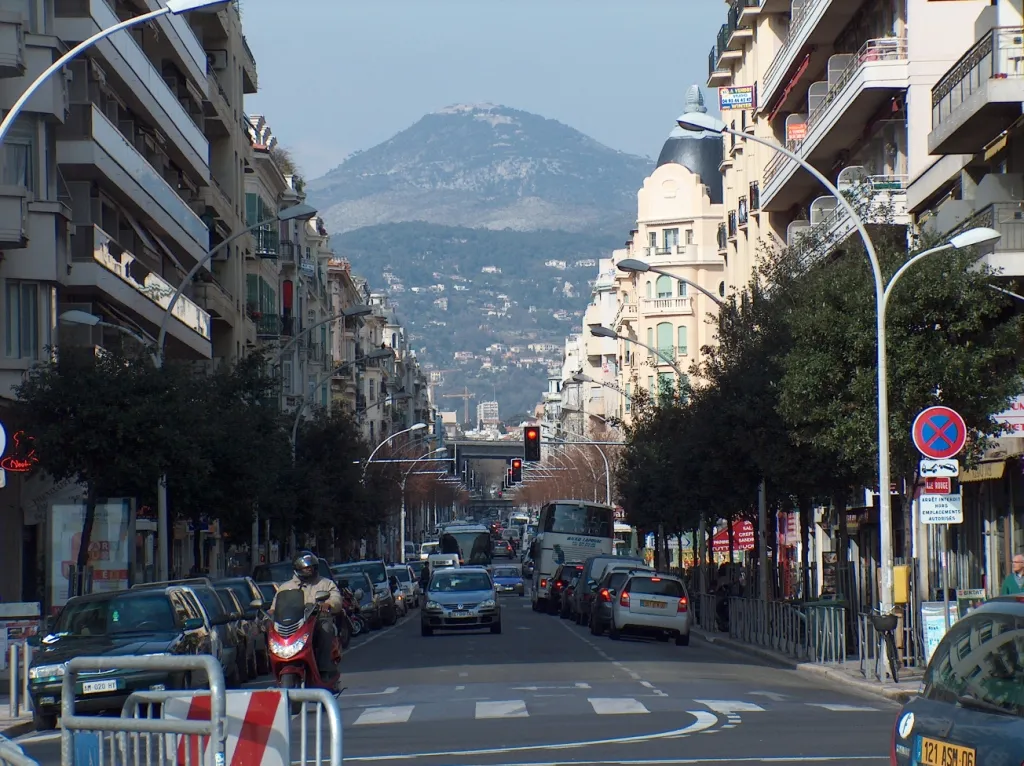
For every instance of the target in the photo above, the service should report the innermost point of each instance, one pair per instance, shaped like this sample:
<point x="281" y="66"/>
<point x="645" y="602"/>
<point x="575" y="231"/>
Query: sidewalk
<point x="13" y="727"/>
<point x="847" y="673"/>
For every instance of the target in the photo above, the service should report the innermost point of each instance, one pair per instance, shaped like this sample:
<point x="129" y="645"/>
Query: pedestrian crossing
<point x="568" y="705"/>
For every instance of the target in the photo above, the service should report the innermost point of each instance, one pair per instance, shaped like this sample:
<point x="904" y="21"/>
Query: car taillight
<point x="543" y="583"/>
<point x="684" y="605"/>
<point x="605" y="595"/>
<point x="559" y="585"/>
<point x="624" y="599"/>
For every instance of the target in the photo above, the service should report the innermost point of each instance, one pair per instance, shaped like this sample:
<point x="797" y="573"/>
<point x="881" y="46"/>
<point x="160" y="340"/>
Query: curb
<point x="891" y="693"/>
<point x="18" y="729"/>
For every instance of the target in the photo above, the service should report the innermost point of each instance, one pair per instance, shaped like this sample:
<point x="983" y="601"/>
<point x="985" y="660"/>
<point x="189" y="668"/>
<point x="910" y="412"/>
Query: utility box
<point x="901" y="584"/>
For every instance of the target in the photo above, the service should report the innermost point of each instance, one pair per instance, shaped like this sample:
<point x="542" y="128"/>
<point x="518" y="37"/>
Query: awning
<point x="987" y="470"/>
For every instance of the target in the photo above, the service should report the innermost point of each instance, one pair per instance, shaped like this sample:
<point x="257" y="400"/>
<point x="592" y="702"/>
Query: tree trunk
<point x="87" y="525"/>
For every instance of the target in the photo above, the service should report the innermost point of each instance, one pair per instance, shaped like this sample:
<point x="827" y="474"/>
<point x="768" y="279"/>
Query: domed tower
<point x="699" y="152"/>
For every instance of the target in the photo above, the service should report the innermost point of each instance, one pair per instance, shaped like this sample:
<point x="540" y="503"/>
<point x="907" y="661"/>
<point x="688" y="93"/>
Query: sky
<point x="336" y="76"/>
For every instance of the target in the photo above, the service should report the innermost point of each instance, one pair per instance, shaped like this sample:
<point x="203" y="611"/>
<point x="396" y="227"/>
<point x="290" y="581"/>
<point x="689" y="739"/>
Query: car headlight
<point x="433" y="605"/>
<point x="487" y="604"/>
<point x="46" y="671"/>
<point x="287" y="651"/>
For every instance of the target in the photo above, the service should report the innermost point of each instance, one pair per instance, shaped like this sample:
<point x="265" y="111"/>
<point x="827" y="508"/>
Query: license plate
<point x="653" y="604"/>
<point x="95" y="687"/>
<point x="932" y="752"/>
<point x="459" y="615"/>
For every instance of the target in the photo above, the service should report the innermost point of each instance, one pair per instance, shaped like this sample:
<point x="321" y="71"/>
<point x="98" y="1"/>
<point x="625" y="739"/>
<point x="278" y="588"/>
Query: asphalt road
<point x="547" y="692"/>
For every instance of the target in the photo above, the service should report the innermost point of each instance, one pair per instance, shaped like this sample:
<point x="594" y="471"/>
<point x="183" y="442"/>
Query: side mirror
<point x="193" y="623"/>
<point x="256" y="603"/>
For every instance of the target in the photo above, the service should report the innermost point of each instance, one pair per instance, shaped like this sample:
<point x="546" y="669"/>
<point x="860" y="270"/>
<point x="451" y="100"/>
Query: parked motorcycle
<point x="350" y="614"/>
<point x="290" y="638"/>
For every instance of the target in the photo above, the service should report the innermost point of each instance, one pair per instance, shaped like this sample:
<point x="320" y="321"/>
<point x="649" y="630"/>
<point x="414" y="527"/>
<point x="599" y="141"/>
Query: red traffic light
<point x="532" y="434"/>
<point x="517" y="463"/>
<point x="531" y="444"/>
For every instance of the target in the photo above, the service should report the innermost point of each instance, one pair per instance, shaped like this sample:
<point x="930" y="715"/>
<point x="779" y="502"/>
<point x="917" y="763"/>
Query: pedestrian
<point x="1014" y="582"/>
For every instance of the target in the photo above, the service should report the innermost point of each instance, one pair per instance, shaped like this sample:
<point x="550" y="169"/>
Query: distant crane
<point x="465" y="396"/>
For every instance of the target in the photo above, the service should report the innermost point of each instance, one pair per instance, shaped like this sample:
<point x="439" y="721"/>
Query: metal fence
<point x="19" y="660"/>
<point x="909" y="646"/>
<point x="812" y="633"/>
<point x="12" y="755"/>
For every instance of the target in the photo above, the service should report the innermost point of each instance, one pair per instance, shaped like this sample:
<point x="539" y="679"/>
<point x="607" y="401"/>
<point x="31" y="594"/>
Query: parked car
<point x="970" y="709"/>
<point x="165" y="620"/>
<point x="652" y="604"/>
<point x="378" y="573"/>
<point x="253" y="601"/>
<point x="594" y="569"/>
<point x="282" y="571"/>
<point x="369" y="601"/>
<point x="605" y="593"/>
<point x="409" y="583"/>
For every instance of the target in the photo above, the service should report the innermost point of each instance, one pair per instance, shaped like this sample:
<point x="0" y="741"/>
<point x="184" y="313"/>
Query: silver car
<point x="409" y="583"/>
<point x="460" y="599"/>
<point x="652" y="604"/>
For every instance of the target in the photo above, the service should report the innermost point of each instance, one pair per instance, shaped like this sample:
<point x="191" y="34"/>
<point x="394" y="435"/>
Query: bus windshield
<point x="473" y="546"/>
<point x="590" y="520"/>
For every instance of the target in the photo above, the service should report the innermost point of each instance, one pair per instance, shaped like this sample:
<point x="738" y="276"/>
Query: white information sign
<point x="941" y="509"/>
<point x="935" y="469"/>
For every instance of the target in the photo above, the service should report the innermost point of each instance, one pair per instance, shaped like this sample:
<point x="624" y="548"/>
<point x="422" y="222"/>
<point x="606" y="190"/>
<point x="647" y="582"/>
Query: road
<point x="545" y="691"/>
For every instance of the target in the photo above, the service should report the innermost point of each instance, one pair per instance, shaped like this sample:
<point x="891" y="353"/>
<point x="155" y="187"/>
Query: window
<point x="629" y="399"/>
<point x="650" y="336"/>
<point x="648" y="289"/>
<point x="681" y="290"/>
<point x="577" y="520"/>
<point x="19" y="154"/>
<point x="671" y="238"/>
<point x="286" y="376"/>
<point x="980" y="658"/>
<point x="650" y="385"/>
<point x="28" y="309"/>
<point x="666" y="384"/>
<point x="371" y="386"/>
<point x="664" y="287"/>
<point x="681" y="340"/>
<point x="665" y="344"/>
<point x="651" y="586"/>
<point x="689" y="236"/>
<point x="652" y="238"/>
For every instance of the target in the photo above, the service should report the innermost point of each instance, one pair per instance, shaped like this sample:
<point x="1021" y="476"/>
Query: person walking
<point x="1014" y="582"/>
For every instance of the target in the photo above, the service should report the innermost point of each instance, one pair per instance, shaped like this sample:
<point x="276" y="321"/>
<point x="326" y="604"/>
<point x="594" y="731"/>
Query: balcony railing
<point x="267" y="243"/>
<point x="997" y="55"/>
<point x="267" y="325"/>
<point x="722" y="237"/>
<point x="722" y="41"/>
<point x="712" y="61"/>
<point x="667" y="305"/>
<point x="755" y="196"/>
<point x="286" y="250"/>
<point x="741" y="211"/>
<point x="797" y="28"/>
<point x="732" y="224"/>
<point x="1006" y="218"/>
<point x="665" y="351"/>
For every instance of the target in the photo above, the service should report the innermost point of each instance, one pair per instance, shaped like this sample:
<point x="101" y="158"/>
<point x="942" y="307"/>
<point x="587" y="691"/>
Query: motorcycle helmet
<point x="305" y="566"/>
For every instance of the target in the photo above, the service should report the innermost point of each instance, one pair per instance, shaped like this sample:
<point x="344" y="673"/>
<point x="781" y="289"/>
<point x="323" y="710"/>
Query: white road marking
<point x="379" y="715"/>
<point x="463" y="675"/>
<point x="389" y="690"/>
<point x="503" y="709"/>
<point x="581" y="685"/>
<point x="845" y="708"/>
<point x="703" y="720"/>
<point x="730" y="707"/>
<point x="648" y="684"/>
<point x="459" y="688"/>
<point x="617" y="705"/>
<point x="549" y="688"/>
<point x="773" y="696"/>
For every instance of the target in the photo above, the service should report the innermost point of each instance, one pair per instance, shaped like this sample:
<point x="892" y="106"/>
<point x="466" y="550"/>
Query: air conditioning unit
<point x="217" y="59"/>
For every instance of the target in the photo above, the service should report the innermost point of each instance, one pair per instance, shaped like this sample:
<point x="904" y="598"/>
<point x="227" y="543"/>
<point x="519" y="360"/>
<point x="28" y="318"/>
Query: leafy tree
<point x="111" y="421"/>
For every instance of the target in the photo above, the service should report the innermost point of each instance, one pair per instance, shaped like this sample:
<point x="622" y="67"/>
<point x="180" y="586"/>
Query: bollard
<point x="26" y="661"/>
<point x="15" y="684"/>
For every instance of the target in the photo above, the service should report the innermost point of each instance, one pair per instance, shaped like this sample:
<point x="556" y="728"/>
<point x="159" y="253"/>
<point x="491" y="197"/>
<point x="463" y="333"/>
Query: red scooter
<point x="290" y="639"/>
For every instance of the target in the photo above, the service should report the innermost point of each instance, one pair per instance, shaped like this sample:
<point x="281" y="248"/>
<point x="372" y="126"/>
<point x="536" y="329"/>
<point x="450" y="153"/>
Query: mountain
<point x="484" y="166"/>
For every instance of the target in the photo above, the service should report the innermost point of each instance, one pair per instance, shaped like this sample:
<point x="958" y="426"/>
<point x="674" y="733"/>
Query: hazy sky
<point x="341" y="75"/>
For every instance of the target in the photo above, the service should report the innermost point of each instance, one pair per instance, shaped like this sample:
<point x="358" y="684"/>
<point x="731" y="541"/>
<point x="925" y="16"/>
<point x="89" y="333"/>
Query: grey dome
<point x="700" y="152"/>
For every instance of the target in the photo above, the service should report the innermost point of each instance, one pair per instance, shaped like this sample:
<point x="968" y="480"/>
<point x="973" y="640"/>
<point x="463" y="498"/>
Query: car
<point x="460" y="599"/>
<point x="594" y="569"/>
<point x="165" y="621"/>
<point x="652" y="604"/>
<point x="502" y="548"/>
<point x="378" y="573"/>
<point x="282" y="571"/>
<point x="605" y="594"/>
<point x="971" y="702"/>
<point x="409" y="583"/>
<point x="561" y="579"/>
<point x="508" y="580"/>
<point x="369" y="602"/>
<point x="252" y="600"/>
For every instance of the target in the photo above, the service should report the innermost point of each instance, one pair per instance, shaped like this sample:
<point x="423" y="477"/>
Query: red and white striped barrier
<point x="257" y="728"/>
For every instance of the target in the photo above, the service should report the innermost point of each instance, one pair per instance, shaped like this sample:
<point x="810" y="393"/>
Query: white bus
<point x="626" y="540"/>
<point x="568" y="531"/>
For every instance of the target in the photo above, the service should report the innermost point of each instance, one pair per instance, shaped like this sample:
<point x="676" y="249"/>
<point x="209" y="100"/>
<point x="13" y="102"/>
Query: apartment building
<point x="344" y="296"/>
<point x="599" y="364"/>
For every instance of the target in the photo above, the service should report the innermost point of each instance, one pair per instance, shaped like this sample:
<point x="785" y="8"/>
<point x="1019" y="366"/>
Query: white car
<point x="652" y="604"/>
<point x="409" y="583"/>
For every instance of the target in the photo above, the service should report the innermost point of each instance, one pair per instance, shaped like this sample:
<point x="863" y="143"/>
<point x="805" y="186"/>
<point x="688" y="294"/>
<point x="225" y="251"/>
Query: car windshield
<point x="401" y="573"/>
<point x="459" y="582"/>
<point x="119" y="614"/>
<point x="242" y="592"/>
<point x="378" y="574"/>
<point x="506" y="572"/>
<point x="268" y="590"/>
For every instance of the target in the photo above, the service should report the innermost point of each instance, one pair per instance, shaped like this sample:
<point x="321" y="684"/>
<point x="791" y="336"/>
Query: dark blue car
<point x="970" y="709"/>
<point x="508" y="580"/>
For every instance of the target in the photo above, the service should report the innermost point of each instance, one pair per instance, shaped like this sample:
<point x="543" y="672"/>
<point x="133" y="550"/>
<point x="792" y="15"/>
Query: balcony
<point x="268" y="326"/>
<point x="215" y="299"/>
<point x="838" y="110"/>
<point x="813" y="26"/>
<point x="32" y="55"/>
<point x="725" y="53"/>
<point x="12" y="43"/>
<point x="100" y="264"/>
<point x="718" y="73"/>
<point x="286" y="251"/>
<point x="666" y="306"/>
<point x="13" y="217"/>
<point x="250" y="79"/>
<point x="755" y="196"/>
<point x="267" y="243"/>
<point x="1008" y="219"/>
<point x="145" y="90"/>
<point x="218" y="113"/>
<point x="188" y="51"/>
<point x="742" y="214"/>
<point x="739" y="24"/>
<point x="981" y="94"/>
<point x="679" y="255"/>
<point x="731" y="224"/>
<point x="665" y="351"/>
<point x="91" y="148"/>
<point x="723" y="240"/>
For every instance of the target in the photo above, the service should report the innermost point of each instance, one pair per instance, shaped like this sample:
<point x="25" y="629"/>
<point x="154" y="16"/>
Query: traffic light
<point x="508" y="478"/>
<point x="517" y="471"/>
<point x="531" y="444"/>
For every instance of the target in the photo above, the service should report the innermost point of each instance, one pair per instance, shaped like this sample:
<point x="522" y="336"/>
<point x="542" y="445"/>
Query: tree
<point x="110" y="421"/>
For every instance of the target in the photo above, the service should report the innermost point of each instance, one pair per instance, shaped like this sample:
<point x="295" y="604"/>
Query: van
<point x="594" y="568"/>
<point x="426" y="549"/>
<point x="442" y="561"/>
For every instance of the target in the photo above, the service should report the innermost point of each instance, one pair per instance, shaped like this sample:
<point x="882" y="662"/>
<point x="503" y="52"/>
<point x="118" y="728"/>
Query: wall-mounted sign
<point x="796" y="131"/>
<point x="737" y="97"/>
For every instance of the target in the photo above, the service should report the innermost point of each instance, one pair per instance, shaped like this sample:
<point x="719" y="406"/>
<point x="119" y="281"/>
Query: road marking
<point x="460" y="688"/>
<point x="648" y="684"/>
<point x="730" y="707"/>
<point x="844" y="708"/>
<point x="370" y="639"/>
<point x="773" y="696"/>
<point x="378" y="715"/>
<point x="577" y="685"/>
<point x="617" y="705"/>
<point x="389" y="690"/>
<point x="703" y="720"/>
<point x="463" y="675"/>
<point x="504" y="709"/>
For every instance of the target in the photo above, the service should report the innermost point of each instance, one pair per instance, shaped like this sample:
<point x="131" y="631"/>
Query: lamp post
<point x="636" y="266"/>
<point x="974" y="237"/>
<point x="415" y="427"/>
<point x="607" y="467"/>
<point x="174" y="7"/>
<point x="401" y="521"/>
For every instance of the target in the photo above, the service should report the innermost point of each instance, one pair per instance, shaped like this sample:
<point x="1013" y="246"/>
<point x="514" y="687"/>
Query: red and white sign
<point x="257" y="728"/>
<point x="1012" y="418"/>
<point x="939" y="433"/>
<point x="742" y="538"/>
<point x="942" y="485"/>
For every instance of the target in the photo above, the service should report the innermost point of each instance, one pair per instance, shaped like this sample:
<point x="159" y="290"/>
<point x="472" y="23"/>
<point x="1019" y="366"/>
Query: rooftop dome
<point x="698" y="151"/>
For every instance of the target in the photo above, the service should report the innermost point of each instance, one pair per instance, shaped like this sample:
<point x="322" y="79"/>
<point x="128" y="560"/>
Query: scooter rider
<point x="307" y="579"/>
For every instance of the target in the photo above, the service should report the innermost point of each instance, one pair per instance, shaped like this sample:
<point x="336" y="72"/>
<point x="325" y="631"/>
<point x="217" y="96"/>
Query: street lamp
<point x="696" y="121"/>
<point x="76" y="317"/>
<point x="405" y="478"/>
<point x="173" y="7"/>
<point x="599" y="331"/>
<point x="416" y="427"/>
<point x="636" y="266"/>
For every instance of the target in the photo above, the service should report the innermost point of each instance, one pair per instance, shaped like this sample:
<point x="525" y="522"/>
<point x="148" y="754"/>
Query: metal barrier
<point x="12" y="755"/>
<point x="811" y="633"/>
<point x="119" y="741"/>
<point x="322" y="701"/>
<point x="706" y="612"/>
<point x="19" y="660"/>
<point x="911" y="654"/>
